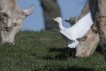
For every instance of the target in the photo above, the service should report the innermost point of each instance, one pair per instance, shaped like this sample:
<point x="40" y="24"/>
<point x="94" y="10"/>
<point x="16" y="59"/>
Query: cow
<point x="98" y="12"/>
<point x="88" y="43"/>
<point x="11" y="18"/>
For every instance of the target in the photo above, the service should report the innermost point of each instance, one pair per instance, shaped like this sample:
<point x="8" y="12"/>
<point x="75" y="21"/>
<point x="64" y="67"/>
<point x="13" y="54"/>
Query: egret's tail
<point x="73" y="45"/>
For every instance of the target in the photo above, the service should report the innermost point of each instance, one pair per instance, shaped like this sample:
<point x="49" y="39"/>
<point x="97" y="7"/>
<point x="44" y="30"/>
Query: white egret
<point x="76" y="31"/>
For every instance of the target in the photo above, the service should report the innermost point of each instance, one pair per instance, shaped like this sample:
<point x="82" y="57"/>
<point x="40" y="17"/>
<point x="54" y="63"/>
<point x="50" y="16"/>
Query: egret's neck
<point x="60" y="25"/>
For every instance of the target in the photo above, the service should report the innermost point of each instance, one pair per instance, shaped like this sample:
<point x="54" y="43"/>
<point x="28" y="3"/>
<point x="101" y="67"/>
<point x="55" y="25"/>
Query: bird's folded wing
<point x="82" y="26"/>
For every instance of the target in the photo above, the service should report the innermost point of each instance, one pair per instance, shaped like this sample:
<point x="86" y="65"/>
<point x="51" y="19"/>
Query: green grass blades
<point x="45" y="51"/>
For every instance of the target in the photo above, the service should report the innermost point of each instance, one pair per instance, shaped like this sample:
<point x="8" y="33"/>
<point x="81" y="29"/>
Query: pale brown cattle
<point x="11" y="18"/>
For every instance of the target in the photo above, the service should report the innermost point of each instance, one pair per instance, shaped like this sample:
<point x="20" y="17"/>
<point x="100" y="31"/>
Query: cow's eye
<point x="5" y="14"/>
<point x="15" y="24"/>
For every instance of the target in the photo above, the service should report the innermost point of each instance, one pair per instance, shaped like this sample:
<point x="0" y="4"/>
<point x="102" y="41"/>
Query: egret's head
<point x="58" y="19"/>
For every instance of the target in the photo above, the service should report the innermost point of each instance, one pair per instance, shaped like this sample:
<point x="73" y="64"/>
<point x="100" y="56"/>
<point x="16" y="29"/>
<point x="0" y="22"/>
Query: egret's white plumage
<point x="76" y="31"/>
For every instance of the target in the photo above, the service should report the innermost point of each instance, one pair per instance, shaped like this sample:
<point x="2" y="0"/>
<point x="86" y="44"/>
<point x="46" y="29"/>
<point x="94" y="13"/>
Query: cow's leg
<point x="101" y="21"/>
<point x="104" y="47"/>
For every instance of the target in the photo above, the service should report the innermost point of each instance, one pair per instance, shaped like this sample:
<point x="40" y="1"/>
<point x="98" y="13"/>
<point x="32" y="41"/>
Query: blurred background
<point x="44" y="10"/>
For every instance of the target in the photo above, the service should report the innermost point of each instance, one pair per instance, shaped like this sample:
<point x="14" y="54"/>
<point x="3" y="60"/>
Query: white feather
<point x="76" y="31"/>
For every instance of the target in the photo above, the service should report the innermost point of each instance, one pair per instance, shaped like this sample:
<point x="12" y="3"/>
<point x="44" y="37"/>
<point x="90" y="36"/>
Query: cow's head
<point x="88" y="43"/>
<point x="11" y="23"/>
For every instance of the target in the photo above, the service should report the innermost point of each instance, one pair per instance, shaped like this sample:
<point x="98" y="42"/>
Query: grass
<point x="45" y="51"/>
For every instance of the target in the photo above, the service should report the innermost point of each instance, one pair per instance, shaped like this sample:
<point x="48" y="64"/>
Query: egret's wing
<point x="82" y="26"/>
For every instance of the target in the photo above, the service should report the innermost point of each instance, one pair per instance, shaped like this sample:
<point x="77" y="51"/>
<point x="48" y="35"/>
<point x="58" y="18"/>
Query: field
<point x="45" y="51"/>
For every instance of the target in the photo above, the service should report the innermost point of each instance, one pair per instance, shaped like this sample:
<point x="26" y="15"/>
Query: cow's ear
<point x="29" y="10"/>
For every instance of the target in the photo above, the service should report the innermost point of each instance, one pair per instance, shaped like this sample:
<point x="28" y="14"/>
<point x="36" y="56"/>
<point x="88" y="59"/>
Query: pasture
<point x="45" y="51"/>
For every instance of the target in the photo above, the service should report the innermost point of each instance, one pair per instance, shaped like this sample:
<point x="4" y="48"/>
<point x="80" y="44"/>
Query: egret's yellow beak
<point x="53" y="18"/>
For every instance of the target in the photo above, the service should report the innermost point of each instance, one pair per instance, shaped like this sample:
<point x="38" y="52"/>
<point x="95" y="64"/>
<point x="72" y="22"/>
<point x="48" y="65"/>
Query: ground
<point x="45" y="51"/>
